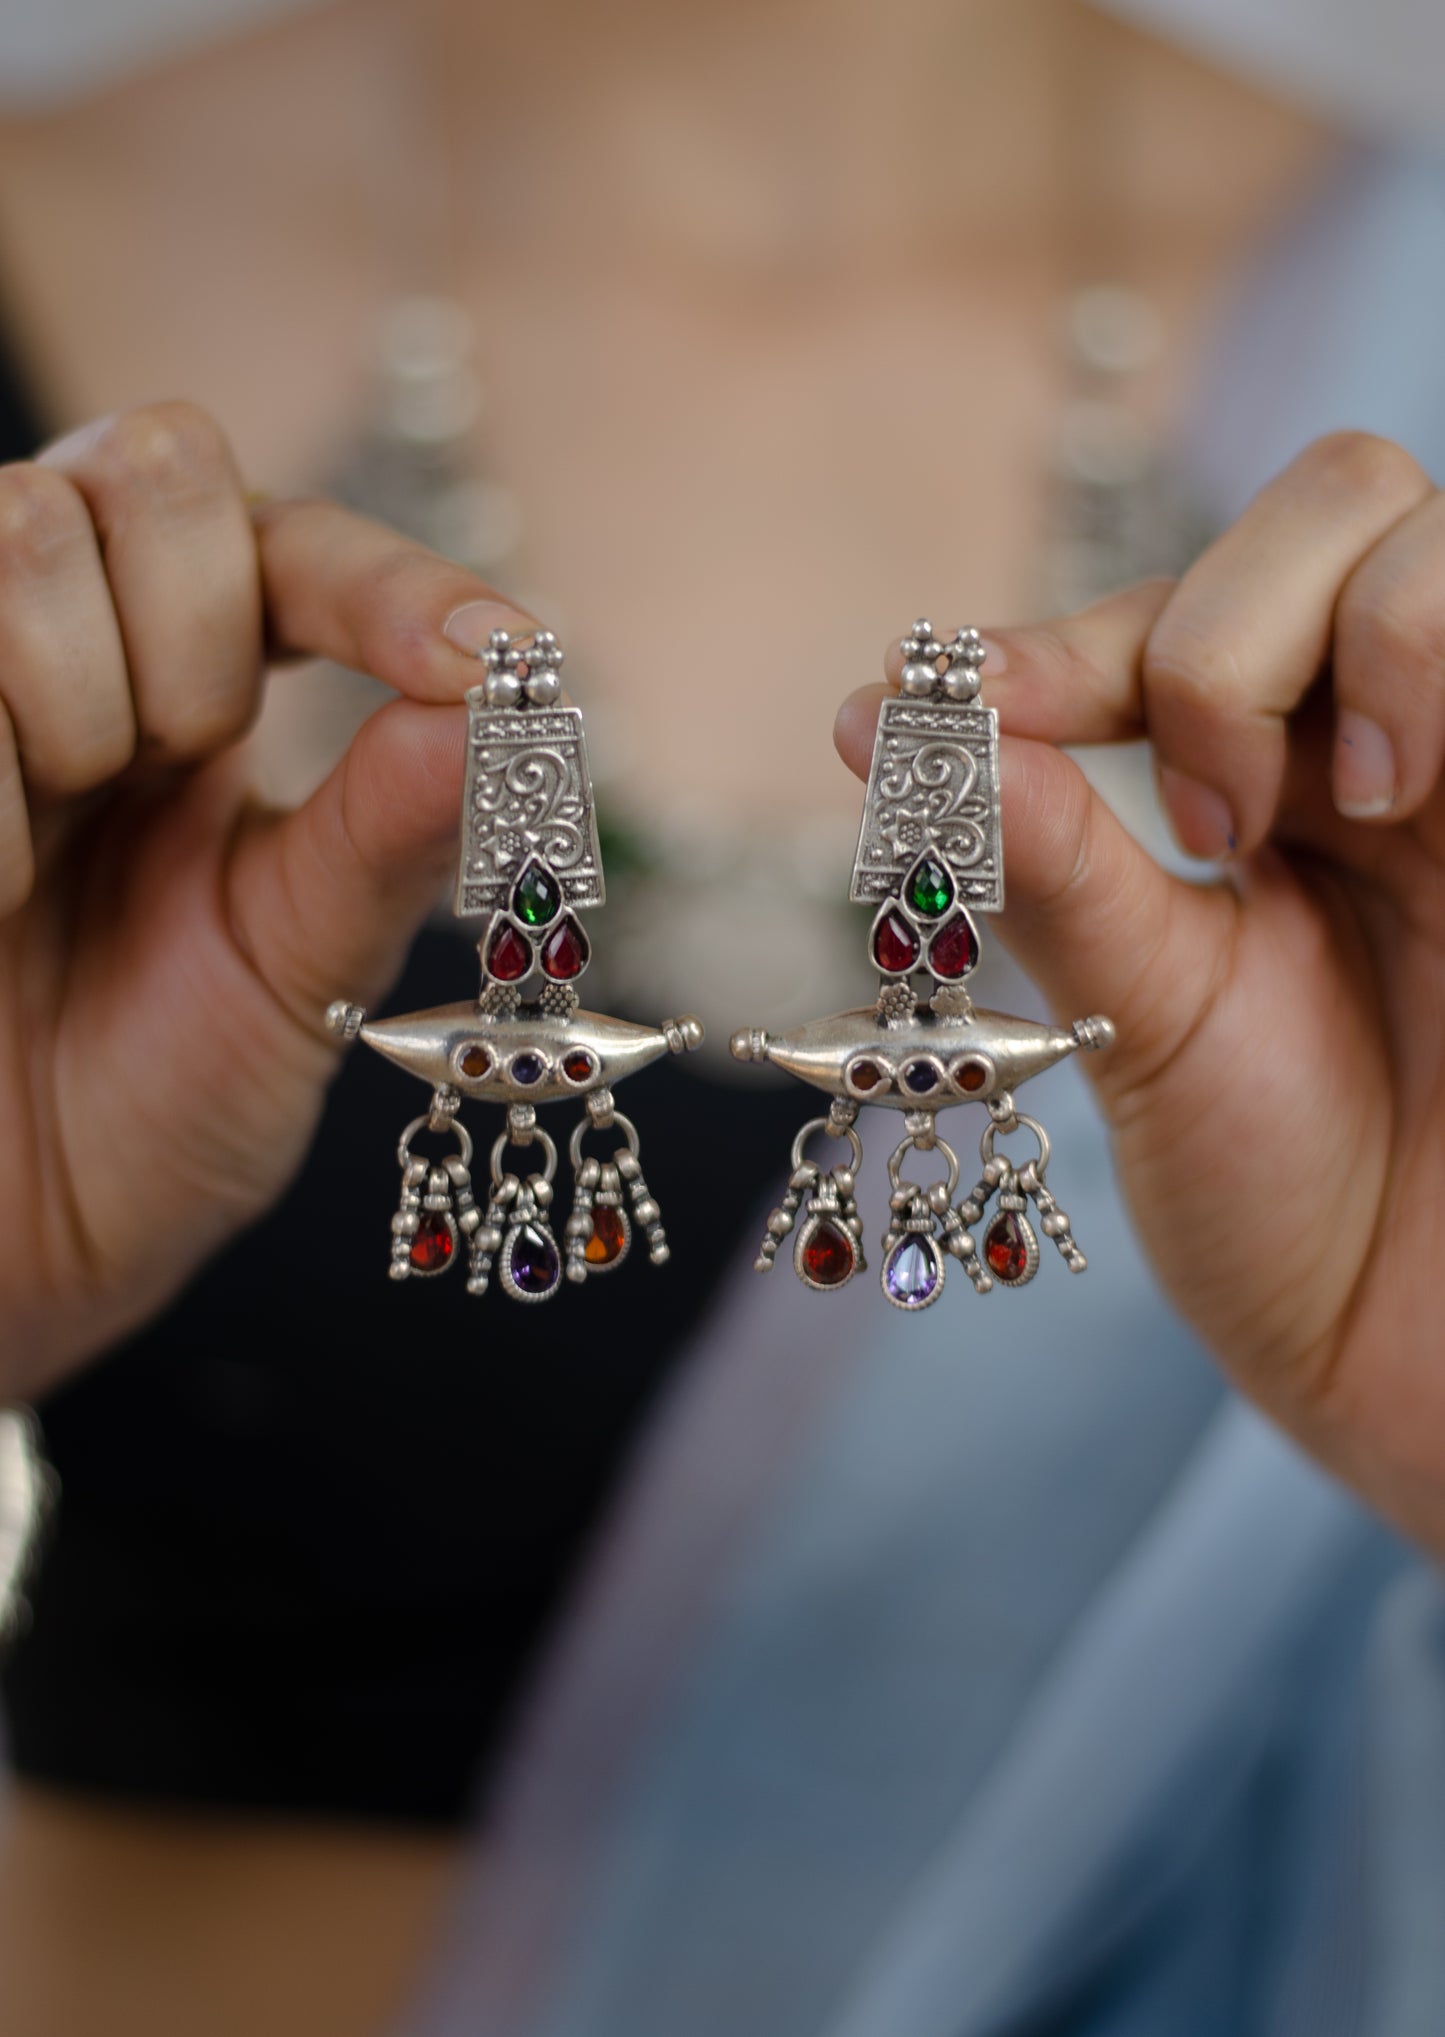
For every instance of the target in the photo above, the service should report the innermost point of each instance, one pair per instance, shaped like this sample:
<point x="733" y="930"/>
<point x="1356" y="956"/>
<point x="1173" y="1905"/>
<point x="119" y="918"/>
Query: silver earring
<point x="530" y="863"/>
<point x="930" y="857"/>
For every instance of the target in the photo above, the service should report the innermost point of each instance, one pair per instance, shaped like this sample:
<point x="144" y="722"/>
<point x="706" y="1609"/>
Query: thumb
<point x="1099" y="925"/>
<point x="325" y="901"/>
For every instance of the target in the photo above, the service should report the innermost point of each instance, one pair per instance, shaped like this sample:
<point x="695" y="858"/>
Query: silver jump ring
<point x="617" y="1122"/>
<point x="1021" y="1122"/>
<point x="895" y="1161"/>
<point x="424" y="1123"/>
<point x="538" y="1138"/>
<point x="855" y="1144"/>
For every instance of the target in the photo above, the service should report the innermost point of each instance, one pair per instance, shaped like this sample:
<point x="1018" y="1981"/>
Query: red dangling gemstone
<point x="508" y="957"/>
<point x="432" y="1244"/>
<point x="955" y="948"/>
<point x="1006" y="1248"/>
<point x="828" y="1254"/>
<point x="609" y="1235"/>
<point x="564" y="952"/>
<point x="895" y="944"/>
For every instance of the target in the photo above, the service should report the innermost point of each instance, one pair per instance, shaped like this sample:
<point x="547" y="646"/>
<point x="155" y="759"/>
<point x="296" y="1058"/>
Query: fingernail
<point x="1200" y="817"/>
<point x="995" y="659"/>
<point x="470" y="626"/>
<point x="1364" y="767"/>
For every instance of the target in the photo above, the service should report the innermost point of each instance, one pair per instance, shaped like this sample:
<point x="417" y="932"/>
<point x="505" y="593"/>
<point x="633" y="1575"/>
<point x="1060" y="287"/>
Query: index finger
<point x="1076" y="679"/>
<point x="338" y="586"/>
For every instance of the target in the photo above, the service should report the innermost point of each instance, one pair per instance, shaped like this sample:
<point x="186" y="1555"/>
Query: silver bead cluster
<point x="526" y="669"/>
<point x="645" y="1212"/>
<point x="558" y="1000"/>
<point x="896" y="1002"/>
<point x="933" y="669"/>
<point x="1053" y="1221"/>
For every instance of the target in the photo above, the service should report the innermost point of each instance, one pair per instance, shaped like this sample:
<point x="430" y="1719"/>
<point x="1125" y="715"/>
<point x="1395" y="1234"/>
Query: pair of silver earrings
<point x="929" y="859"/>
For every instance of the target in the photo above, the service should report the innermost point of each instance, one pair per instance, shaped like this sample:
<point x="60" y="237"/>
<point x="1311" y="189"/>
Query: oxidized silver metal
<point x="529" y="862"/>
<point x="933" y="780"/>
<point x="528" y="793"/>
<point x="930" y="854"/>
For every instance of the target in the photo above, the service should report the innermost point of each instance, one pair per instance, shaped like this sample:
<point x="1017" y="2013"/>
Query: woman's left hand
<point x="1277" y="1089"/>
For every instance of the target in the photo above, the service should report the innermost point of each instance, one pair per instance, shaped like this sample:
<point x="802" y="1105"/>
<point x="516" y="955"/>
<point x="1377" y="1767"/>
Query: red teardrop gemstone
<point x="564" y="952"/>
<point x="828" y="1254"/>
<point x="508" y="956"/>
<point x="895" y="944"/>
<point x="433" y="1244"/>
<point x="1006" y="1248"/>
<point x="609" y="1235"/>
<point x="955" y="949"/>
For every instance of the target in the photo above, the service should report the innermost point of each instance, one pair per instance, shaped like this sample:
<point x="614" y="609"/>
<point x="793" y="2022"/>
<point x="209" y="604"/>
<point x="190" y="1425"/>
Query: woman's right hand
<point x="168" y="947"/>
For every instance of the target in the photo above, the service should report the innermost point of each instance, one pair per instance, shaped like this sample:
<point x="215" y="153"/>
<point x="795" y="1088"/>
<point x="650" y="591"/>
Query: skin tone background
<point x="785" y="361"/>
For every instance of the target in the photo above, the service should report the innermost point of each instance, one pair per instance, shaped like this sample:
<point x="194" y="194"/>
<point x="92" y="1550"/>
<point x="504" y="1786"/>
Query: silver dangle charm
<point x="437" y="1210"/>
<point x="530" y="864"/>
<point x="929" y="859"/>
<point x="1010" y="1248"/>
<point x="828" y="1249"/>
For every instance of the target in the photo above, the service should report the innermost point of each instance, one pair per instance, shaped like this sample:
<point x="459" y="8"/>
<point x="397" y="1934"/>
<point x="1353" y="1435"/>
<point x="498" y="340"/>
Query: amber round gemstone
<point x="865" y="1075"/>
<point x="475" y="1062"/>
<point x="564" y="952"/>
<point x="432" y="1244"/>
<point x="508" y="957"/>
<point x="1006" y="1248"/>
<point x="970" y="1075"/>
<point x="828" y="1254"/>
<point x="579" y="1065"/>
<point x="895" y="944"/>
<point x="955" y="949"/>
<point x="609" y="1235"/>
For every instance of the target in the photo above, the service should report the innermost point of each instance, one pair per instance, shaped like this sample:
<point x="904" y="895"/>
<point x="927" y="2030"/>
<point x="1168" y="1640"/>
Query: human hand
<point x="1277" y="1090"/>
<point x="168" y="947"/>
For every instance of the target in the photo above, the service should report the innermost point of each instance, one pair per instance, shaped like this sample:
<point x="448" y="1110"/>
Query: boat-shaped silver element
<point x="530" y="1057"/>
<point x="927" y="1062"/>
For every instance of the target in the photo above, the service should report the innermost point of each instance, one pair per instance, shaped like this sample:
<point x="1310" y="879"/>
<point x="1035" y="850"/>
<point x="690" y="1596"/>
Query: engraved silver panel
<point x="934" y="778"/>
<point x="528" y="793"/>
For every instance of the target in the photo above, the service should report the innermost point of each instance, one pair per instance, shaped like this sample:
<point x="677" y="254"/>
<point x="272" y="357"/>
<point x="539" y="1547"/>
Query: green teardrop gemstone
<point x="538" y="896"/>
<point x="930" y="888"/>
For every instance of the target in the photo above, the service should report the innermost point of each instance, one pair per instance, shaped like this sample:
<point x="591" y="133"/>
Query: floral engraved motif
<point x="934" y="778"/>
<point x="528" y="793"/>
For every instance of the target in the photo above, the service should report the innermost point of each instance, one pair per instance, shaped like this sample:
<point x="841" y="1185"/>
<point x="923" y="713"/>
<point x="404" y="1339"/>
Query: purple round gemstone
<point x="534" y="1265"/>
<point x="912" y="1273"/>
<point x="527" y="1068"/>
<point x="920" y="1076"/>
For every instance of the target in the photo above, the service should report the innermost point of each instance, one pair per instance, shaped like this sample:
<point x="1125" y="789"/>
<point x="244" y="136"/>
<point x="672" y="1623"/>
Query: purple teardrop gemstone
<point x="912" y="1273"/>
<point x="534" y="1265"/>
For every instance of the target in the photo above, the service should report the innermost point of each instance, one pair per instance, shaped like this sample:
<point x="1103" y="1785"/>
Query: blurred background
<point x="728" y="338"/>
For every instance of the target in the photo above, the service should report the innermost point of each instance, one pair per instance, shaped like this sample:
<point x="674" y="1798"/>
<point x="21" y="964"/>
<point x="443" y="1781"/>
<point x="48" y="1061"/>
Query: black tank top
<point x="312" y="1526"/>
